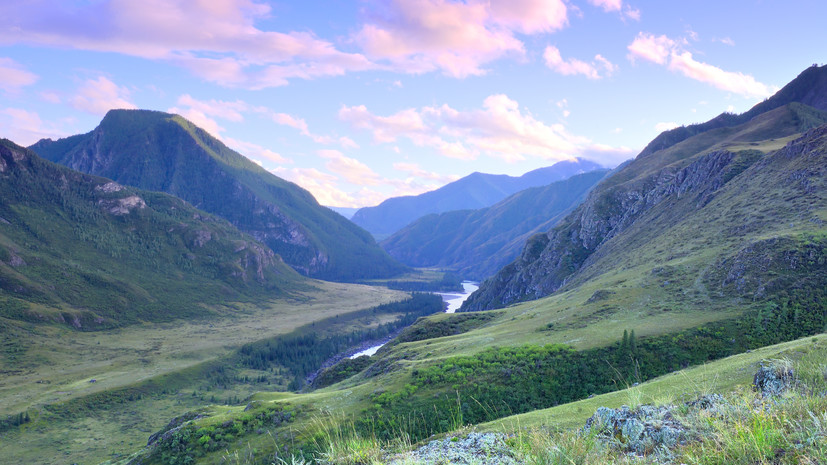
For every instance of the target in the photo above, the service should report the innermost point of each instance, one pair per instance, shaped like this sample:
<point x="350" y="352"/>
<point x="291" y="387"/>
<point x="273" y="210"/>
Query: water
<point x="454" y="301"/>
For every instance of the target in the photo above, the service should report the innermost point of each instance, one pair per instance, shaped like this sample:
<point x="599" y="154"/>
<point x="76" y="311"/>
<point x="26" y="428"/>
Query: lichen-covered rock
<point x="475" y="448"/>
<point x="774" y="379"/>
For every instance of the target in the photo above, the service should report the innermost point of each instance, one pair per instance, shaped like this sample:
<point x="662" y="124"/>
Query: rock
<point x="475" y="448"/>
<point x="774" y="379"/>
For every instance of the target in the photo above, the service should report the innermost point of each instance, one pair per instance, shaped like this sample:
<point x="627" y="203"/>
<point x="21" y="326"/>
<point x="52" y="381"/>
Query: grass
<point x="59" y="363"/>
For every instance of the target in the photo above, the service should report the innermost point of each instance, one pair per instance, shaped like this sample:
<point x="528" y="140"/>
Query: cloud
<point x="617" y="6"/>
<point x="414" y="171"/>
<point x="255" y="152"/>
<point x="97" y="96"/>
<point x="457" y="38"/>
<point x="500" y="129"/>
<point x="665" y="51"/>
<point x="14" y="76"/>
<point x="665" y="126"/>
<point x="217" y="40"/>
<point x="574" y="66"/>
<point x="352" y="170"/>
<point x="25" y="127"/>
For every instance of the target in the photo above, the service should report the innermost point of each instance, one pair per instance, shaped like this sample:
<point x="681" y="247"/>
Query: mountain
<point x="710" y="202"/>
<point x="92" y="253"/>
<point x="163" y="152"/>
<point x="477" y="243"/>
<point x="477" y="190"/>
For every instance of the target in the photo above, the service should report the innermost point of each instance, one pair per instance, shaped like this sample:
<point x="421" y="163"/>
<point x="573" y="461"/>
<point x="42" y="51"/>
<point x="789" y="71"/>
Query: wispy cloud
<point x="573" y="66"/>
<point x="456" y="38"/>
<point x="671" y="53"/>
<point x="97" y="96"/>
<point x="351" y="169"/>
<point x="500" y="129"/>
<point x="14" y="76"/>
<point x="217" y="40"/>
<point x="617" y="6"/>
<point x="25" y="127"/>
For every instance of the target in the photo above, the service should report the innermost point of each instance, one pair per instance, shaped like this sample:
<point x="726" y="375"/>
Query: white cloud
<point x="617" y="6"/>
<point x="500" y="129"/>
<point x="665" y="126"/>
<point x="14" y="76"/>
<point x="25" y="127"/>
<point x="574" y="66"/>
<point x="97" y="96"/>
<point x="665" y="51"/>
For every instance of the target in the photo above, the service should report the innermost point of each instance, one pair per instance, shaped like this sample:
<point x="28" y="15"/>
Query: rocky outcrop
<point x="549" y="260"/>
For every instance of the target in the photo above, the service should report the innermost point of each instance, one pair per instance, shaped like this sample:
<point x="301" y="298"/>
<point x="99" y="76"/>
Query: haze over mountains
<point x="710" y="202"/>
<point x="163" y="152"/>
<point x="477" y="190"/>
<point x="477" y="243"/>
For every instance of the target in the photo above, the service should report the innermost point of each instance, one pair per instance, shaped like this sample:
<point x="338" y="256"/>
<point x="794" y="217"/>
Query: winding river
<point x="453" y="301"/>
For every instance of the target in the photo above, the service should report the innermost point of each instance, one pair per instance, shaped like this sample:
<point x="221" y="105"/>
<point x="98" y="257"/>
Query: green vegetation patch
<point x="450" y="324"/>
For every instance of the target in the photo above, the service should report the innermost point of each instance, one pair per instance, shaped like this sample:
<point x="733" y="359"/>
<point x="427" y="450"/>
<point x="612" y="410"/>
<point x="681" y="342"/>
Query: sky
<point x="358" y="101"/>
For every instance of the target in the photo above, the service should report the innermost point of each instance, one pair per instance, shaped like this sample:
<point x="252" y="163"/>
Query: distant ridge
<point x="477" y="190"/>
<point x="163" y="152"/>
<point x="477" y="243"/>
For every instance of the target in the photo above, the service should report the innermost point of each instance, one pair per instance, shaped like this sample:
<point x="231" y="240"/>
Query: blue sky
<point x="358" y="101"/>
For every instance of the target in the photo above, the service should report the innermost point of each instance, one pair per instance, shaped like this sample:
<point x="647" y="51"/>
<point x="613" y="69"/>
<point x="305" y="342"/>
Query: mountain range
<point x="709" y="197"/>
<point x="89" y="252"/>
<point x="162" y="152"/>
<point x="477" y="243"/>
<point x="477" y="190"/>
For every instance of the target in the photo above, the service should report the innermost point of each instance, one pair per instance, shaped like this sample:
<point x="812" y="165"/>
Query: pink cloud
<point x="352" y="170"/>
<point x="617" y="6"/>
<point x="14" y="76"/>
<point x="665" y="51"/>
<point x="651" y="48"/>
<point x="97" y="96"/>
<point x="217" y="40"/>
<point x="574" y="66"/>
<point x="457" y="38"/>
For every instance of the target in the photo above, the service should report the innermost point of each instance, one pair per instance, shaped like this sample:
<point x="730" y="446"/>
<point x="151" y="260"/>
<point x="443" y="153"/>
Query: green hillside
<point x="162" y="152"/>
<point x="656" y="204"/>
<point x="477" y="243"/>
<point x="91" y="253"/>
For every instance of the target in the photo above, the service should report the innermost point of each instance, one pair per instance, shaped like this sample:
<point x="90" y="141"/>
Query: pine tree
<point x="632" y="342"/>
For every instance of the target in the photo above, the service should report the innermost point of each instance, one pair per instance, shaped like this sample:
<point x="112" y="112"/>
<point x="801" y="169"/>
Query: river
<point x="453" y="300"/>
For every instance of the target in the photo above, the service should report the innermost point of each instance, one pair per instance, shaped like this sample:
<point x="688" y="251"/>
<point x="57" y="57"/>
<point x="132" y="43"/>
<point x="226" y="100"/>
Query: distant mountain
<point x="88" y="252"/>
<point x="477" y="190"/>
<point x="163" y="152"/>
<point x="477" y="243"/>
<point x="347" y="212"/>
<point x="725" y="208"/>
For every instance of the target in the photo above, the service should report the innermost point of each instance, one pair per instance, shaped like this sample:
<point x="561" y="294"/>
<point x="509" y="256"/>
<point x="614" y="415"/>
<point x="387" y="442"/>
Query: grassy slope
<point x="654" y="283"/>
<point x="477" y="243"/>
<point x="66" y="256"/>
<point x="163" y="152"/>
<point x="170" y="353"/>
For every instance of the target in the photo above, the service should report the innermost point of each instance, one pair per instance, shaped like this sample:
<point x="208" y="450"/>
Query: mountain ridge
<point x="477" y="243"/>
<point x="163" y="152"/>
<point x="477" y="190"/>
<point x="705" y="161"/>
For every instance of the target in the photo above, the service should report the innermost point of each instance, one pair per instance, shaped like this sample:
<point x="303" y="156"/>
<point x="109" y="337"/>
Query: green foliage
<point x="305" y="350"/>
<point x="449" y="282"/>
<point x="503" y="381"/>
<point x="449" y="325"/>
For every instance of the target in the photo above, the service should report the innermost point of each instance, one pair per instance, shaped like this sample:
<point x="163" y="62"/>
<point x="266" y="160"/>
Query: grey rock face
<point x="774" y="379"/>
